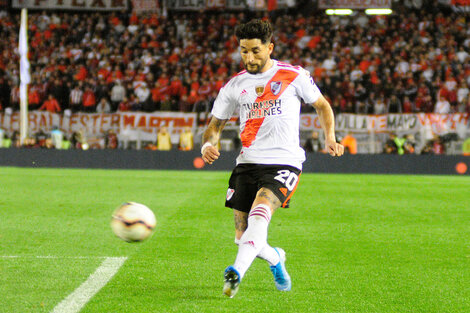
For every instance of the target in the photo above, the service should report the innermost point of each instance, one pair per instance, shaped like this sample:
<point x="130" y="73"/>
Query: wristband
<point x="207" y="144"/>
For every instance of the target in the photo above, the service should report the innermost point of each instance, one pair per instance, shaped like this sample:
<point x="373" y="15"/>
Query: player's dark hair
<point x="255" y="29"/>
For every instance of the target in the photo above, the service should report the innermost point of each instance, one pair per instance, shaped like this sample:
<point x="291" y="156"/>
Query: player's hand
<point x="334" y="148"/>
<point x="210" y="154"/>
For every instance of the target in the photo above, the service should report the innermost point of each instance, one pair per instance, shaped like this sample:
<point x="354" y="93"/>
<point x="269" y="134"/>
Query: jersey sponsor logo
<point x="263" y="108"/>
<point x="259" y="90"/>
<point x="284" y="191"/>
<point x="276" y="87"/>
<point x="230" y="193"/>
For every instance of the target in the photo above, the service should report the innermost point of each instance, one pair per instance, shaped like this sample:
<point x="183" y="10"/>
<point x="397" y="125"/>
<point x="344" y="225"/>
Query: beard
<point x="254" y="68"/>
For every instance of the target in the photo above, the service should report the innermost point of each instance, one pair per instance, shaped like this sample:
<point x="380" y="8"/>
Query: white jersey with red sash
<point x="269" y="105"/>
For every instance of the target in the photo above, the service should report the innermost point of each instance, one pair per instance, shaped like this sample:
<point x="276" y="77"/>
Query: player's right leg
<point x="268" y="253"/>
<point x="254" y="239"/>
<point x="274" y="256"/>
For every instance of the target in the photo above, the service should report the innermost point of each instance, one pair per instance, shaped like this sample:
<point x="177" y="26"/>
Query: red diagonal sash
<point x="252" y="126"/>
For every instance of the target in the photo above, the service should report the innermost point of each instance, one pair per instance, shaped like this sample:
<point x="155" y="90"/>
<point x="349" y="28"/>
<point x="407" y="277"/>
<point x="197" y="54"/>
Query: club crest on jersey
<point x="259" y="90"/>
<point x="230" y="193"/>
<point x="276" y="87"/>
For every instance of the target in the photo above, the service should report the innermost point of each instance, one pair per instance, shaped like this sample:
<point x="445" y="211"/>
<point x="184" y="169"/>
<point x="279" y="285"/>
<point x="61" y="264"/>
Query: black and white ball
<point x="133" y="222"/>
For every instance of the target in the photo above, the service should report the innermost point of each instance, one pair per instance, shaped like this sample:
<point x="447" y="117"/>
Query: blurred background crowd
<point x="412" y="61"/>
<point x="415" y="60"/>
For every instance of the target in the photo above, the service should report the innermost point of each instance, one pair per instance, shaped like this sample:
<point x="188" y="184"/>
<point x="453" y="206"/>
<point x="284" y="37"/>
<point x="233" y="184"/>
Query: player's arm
<point x="327" y="121"/>
<point x="211" y="136"/>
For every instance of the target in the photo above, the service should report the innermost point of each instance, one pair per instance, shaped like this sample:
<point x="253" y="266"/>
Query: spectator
<point x="186" y="142"/>
<point x="89" y="100"/>
<point x="111" y="140"/>
<point x="370" y="102"/>
<point x="124" y="105"/>
<point x="350" y="144"/>
<point x="407" y="105"/>
<point x="394" y="105"/>
<point x="76" y="98"/>
<point x="462" y="92"/>
<point x="60" y="91"/>
<point x="313" y="144"/>
<point x="103" y="106"/>
<point x="163" y="139"/>
<point x="57" y="137"/>
<point x="50" y="105"/>
<point x="34" y="97"/>
<point x="438" y="146"/>
<point x="41" y="138"/>
<point x="390" y="146"/>
<point x="379" y="105"/>
<point x="143" y="97"/>
<point x="409" y="145"/>
<point x="118" y="93"/>
<point x="442" y="106"/>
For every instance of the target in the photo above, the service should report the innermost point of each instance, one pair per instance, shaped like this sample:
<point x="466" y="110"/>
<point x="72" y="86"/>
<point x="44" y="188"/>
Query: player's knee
<point x="259" y="213"/>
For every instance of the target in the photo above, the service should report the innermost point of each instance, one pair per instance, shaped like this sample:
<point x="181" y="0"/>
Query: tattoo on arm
<point x="213" y="131"/>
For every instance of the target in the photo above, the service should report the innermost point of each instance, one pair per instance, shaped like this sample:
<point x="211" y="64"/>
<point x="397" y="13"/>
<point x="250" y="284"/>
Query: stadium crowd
<point x="411" y="61"/>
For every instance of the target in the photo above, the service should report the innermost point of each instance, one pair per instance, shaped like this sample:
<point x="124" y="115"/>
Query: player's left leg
<point x="275" y="256"/>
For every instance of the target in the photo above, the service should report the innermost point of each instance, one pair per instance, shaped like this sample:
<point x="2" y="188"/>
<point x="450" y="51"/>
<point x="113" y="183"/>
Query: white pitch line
<point x="50" y="257"/>
<point x="77" y="299"/>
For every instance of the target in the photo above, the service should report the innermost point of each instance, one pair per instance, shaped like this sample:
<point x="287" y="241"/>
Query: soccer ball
<point x="133" y="222"/>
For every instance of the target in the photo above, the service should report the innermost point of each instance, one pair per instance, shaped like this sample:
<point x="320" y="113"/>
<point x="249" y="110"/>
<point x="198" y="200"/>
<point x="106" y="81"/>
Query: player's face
<point x="255" y="55"/>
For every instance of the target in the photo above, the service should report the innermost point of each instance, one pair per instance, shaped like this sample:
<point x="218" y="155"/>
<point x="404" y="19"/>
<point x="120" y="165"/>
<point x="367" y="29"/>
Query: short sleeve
<point x="306" y="87"/>
<point x="225" y="103"/>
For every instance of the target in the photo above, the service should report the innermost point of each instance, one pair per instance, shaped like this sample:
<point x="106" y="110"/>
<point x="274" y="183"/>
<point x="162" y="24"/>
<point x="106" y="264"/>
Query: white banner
<point x="355" y="4"/>
<point x="97" y="124"/>
<point x="144" y="6"/>
<point x="127" y="122"/>
<point x="102" y="5"/>
<point x="213" y="4"/>
<point x="437" y="123"/>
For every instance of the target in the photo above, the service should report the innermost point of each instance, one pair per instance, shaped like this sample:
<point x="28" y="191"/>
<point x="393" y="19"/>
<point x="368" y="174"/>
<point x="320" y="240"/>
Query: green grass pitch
<point x="354" y="243"/>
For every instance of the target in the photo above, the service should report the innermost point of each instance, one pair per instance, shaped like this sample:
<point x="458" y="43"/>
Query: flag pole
<point x="24" y="75"/>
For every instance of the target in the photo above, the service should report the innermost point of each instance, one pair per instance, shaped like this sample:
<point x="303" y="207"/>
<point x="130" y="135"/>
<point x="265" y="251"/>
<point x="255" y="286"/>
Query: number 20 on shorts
<point x="288" y="178"/>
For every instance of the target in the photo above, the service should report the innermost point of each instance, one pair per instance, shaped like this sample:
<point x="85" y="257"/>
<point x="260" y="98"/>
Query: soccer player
<point x="268" y="95"/>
